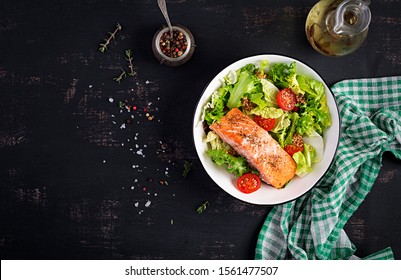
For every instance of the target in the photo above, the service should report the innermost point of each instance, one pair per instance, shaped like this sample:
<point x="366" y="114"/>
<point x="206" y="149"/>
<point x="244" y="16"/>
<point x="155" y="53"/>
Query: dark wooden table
<point x="80" y="181"/>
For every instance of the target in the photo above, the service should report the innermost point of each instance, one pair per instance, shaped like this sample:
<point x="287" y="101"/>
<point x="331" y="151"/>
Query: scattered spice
<point x="187" y="168"/>
<point x="163" y="182"/>
<point x="173" y="47"/>
<point x="164" y="146"/>
<point x="300" y="99"/>
<point x="297" y="140"/>
<point x="149" y="116"/>
<point x="103" y="46"/>
<point x="247" y="104"/>
<point x="202" y="207"/>
<point x="261" y="74"/>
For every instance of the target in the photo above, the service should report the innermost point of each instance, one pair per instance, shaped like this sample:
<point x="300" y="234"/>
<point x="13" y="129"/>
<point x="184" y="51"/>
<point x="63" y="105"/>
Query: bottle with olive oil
<point x="338" y="27"/>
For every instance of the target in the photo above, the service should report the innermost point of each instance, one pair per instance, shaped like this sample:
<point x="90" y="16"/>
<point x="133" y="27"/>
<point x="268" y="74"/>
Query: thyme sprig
<point x="187" y="168"/>
<point x="103" y="46"/>
<point x="129" y="58"/>
<point x="202" y="207"/>
<point x="121" y="76"/>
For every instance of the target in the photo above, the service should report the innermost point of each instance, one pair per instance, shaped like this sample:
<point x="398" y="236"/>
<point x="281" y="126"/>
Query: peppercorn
<point x="173" y="47"/>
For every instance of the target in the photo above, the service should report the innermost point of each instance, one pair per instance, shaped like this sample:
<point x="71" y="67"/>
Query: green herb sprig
<point x="103" y="46"/>
<point x="188" y="166"/>
<point x="121" y="104"/>
<point x="131" y="72"/>
<point x="129" y="58"/>
<point x="121" y="76"/>
<point x="202" y="207"/>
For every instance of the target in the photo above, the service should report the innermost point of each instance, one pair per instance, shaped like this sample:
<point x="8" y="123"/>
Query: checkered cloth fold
<point x="311" y="227"/>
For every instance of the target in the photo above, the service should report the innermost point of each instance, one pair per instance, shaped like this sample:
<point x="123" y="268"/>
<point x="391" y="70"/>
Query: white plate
<point x="267" y="195"/>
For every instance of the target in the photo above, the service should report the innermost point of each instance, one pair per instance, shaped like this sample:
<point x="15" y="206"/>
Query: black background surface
<point x="71" y="179"/>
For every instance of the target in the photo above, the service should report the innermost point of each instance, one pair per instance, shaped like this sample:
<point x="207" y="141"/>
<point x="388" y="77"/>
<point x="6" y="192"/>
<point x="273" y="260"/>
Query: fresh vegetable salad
<point x="290" y="106"/>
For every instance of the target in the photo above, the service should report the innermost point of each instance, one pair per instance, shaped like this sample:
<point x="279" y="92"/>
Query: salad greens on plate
<point x="290" y="106"/>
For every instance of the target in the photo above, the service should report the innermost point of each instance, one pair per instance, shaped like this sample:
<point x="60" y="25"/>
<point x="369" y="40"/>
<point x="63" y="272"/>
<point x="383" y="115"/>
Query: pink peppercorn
<point x="173" y="47"/>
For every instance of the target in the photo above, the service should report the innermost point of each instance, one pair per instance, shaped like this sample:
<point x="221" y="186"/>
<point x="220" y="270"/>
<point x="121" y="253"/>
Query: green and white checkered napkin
<point x="311" y="227"/>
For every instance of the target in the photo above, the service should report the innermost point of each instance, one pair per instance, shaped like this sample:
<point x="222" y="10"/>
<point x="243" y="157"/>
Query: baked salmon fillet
<point x="248" y="139"/>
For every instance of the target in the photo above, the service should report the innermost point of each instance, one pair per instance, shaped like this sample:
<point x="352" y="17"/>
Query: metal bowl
<point x="173" y="61"/>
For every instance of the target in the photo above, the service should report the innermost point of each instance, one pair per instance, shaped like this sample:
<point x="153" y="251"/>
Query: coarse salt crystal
<point x="147" y="204"/>
<point x="136" y="204"/>
<point x="122" y="126"/>
<point x="111" y="100"/>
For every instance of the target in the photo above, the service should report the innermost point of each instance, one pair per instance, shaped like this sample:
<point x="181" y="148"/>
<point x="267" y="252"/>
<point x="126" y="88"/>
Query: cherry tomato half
<point x="265" y="123"/>
<point x="248" y="183"/>
<point x="286" y="99"/>
<point x="292" y="149"/>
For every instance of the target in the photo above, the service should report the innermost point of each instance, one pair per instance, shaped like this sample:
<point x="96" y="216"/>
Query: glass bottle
<point x="338" y="27"/>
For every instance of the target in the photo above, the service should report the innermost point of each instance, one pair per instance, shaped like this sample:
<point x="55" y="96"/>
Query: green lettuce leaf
<point x="236" y="165"/>
<point x="282" y="123"/>
<point x="280" y="73"/>
<point x="304" y="160"/>
<point x="245" y="84"/>
<point x="215" y="109"/>
<point x="258" y="99"/>
<point x="267" y="112"/>
<point x="291" y="130"/>
<point x="215" y="141"/>
<point x="315" y="114"/>
<point x="231" y="78"/>
<point x="263" y="65"/>
<point x="270" y="91"/>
